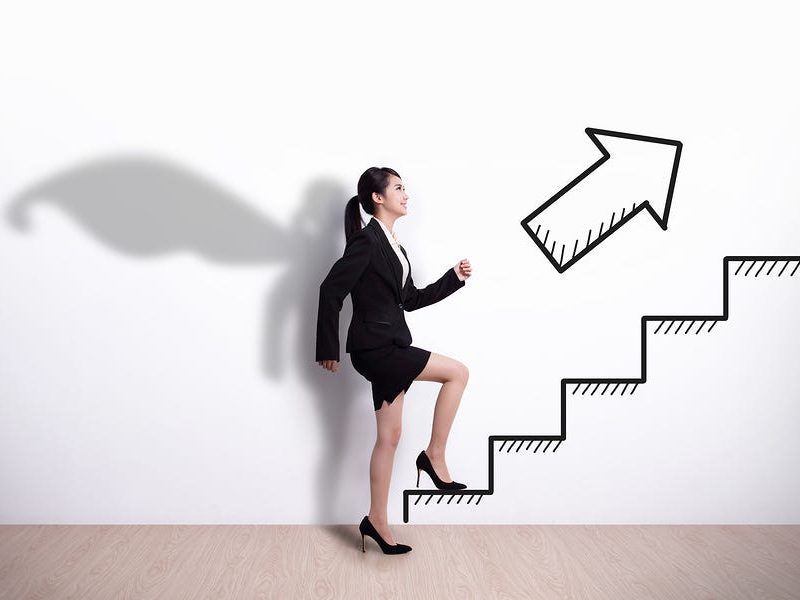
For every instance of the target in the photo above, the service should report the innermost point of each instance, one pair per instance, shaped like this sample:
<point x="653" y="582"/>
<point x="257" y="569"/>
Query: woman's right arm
<point x="342" y="278"/>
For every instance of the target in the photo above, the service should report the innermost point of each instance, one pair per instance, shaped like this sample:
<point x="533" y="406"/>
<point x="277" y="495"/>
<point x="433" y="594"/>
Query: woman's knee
<point x="461" y="372"/>
<point x="442" y="369"/>
<point x="390" y="436"/>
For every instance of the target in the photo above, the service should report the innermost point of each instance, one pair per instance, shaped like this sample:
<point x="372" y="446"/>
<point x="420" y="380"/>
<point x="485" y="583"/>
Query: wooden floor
<point x="447" y="561"/>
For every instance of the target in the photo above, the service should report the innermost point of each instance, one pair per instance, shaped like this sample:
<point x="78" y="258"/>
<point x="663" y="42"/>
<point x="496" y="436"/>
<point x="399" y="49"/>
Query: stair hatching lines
<point x="775" y="261"/>
<point x="584" y="385"/>
<point x="613" y="391"/>
<point x="529" y="445"/>
<point x="460" y="497"/>
<point x="688" y="329"/>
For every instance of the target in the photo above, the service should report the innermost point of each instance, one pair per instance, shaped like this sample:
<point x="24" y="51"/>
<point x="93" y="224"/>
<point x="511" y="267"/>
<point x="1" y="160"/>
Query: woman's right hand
<point x="331" y="365"/>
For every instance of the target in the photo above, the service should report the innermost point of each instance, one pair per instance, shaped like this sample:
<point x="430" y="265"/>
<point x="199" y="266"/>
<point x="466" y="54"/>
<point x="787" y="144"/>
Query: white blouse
<point x="396" y="246"/>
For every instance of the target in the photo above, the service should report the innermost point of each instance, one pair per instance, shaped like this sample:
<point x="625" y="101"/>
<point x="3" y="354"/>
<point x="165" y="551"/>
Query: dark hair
<point x="374" y="179"/>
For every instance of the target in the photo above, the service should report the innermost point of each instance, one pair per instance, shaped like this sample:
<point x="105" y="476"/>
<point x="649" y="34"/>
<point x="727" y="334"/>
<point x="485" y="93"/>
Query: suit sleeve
<point x="342" y="278"/>
<point x="438" y="290"/>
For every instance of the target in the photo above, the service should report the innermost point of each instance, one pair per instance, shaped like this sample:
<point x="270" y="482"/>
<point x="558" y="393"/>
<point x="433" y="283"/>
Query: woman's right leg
<point x="389" y="420"/>
<point x="453" y="376"/>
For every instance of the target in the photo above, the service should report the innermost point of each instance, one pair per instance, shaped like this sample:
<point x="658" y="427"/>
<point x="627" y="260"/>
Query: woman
<point x="375" y="270"/>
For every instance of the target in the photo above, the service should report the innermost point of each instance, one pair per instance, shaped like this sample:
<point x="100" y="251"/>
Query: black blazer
<point x="371" y="272"/>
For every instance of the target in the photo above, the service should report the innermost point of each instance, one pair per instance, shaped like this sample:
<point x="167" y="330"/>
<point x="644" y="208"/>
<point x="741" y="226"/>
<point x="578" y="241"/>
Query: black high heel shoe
<point x="366" y="528"/>
<point x="424" y="463"/>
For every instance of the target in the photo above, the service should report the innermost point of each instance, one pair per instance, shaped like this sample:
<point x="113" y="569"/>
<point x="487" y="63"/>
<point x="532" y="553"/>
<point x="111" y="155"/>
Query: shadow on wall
<point x="148" y="207"/>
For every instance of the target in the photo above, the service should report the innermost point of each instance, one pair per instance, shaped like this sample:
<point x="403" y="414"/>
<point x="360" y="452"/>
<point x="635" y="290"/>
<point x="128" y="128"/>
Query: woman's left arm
<point x="438" y="290"/>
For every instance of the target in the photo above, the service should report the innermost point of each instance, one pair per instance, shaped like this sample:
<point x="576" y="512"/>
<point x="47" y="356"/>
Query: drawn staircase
<point x="745" y="266"/>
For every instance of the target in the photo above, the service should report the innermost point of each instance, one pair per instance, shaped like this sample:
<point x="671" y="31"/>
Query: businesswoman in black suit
<point x="376" y="271"/>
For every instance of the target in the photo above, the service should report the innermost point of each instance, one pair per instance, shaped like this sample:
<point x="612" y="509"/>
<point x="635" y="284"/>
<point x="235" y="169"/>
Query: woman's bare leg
<point x="389" y="420"/>
<point x="453" y="375"/>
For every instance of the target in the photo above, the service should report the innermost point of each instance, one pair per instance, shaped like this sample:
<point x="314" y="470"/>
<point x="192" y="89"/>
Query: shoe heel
<point x="362" y="543"/>
<point x="417" y="476"/>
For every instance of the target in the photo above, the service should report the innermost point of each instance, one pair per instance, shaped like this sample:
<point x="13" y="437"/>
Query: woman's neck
<point x="388" y="221"/>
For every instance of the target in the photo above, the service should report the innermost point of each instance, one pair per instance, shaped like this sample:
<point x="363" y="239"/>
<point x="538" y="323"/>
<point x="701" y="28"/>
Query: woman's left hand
<point x="463" y="269"/>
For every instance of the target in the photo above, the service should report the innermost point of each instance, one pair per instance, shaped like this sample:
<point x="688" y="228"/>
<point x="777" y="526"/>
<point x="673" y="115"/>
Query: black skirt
<point x="390" y="369"/>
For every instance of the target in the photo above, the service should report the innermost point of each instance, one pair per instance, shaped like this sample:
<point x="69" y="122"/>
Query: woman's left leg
<point x="389" y="420"/>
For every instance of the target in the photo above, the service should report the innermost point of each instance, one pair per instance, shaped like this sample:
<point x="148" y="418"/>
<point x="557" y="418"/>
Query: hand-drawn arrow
<point x="574" y="221"/>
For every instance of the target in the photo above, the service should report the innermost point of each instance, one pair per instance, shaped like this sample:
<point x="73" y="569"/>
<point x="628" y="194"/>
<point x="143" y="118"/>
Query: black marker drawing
<point x="774" y="266"/>
<point x="640" y="174"/>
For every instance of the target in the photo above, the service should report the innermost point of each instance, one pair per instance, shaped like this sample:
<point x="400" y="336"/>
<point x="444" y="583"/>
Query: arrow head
<point x="646" y="164"/>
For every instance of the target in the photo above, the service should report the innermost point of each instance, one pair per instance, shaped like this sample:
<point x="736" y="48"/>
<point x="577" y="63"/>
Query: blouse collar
<point x="391" y="237"/>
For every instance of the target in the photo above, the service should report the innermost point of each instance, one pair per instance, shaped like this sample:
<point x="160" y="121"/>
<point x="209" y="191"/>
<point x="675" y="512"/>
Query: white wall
<point x="172" y="186"/>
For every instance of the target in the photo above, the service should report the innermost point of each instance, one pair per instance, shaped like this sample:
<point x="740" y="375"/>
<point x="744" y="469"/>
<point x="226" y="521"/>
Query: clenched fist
<point x="463" y="269"/>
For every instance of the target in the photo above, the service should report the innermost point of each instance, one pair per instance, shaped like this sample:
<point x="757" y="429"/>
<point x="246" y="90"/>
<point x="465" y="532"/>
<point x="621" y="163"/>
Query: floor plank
<point x="447" y="561"/>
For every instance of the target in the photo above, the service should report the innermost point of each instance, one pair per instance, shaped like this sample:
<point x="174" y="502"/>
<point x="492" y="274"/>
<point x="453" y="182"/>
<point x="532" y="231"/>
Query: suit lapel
<point x="403" y="250"/>
<point x="395" y="268"/>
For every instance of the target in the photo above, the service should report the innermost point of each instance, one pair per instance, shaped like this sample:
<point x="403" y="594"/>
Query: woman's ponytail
<point x="352" y="217"/>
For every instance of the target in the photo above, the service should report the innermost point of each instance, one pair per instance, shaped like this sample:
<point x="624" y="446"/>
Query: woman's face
<point x="395" y="197"/>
